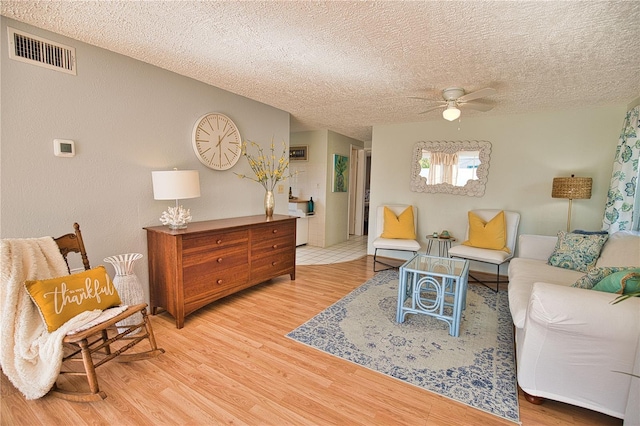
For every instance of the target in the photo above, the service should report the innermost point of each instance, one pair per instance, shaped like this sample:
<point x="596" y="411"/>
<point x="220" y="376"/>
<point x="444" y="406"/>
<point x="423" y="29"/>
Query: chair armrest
<point x="574" y="345"/>
<point x="538" y="247"/>
<point x="583" y="312"/>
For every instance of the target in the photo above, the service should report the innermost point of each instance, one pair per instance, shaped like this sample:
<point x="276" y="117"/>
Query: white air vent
<point x="39" y="51"/>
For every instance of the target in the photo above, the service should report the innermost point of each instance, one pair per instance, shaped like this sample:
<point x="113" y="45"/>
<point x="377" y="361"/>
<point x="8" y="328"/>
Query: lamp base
<point x="181" y="226"/>
<point x="569" y="216"/>
<point x="176" y="217"/>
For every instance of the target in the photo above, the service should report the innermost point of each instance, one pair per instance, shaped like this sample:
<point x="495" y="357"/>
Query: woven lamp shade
<point x="573" y="188"/>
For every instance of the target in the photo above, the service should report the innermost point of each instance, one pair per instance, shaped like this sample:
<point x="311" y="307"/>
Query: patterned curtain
<point x="622" y="209"/>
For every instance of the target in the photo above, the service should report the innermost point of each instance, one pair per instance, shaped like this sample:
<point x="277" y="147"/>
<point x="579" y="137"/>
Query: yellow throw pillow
<point x="60" y="299"/>
<point x="490" y="235"/>
<point x="399" y="227"/>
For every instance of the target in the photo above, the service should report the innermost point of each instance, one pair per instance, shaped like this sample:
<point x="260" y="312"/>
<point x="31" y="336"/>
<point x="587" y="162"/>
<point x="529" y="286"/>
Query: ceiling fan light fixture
<point x="451" y="113"/>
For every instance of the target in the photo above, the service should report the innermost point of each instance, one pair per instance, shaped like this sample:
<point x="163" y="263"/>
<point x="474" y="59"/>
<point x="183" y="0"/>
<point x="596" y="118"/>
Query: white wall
<point x="528" y="151"/>
<point x="330" y="225"/>
<point x="311" y="180"/>
<point x="338" y="202"/>
<point x="127" y="119"/>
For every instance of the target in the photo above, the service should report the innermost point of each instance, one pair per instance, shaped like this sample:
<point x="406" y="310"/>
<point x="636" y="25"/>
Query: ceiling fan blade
<point x="487" y="91"/>
<point x="478" y="106"/>
<point x="440" y="101"/>
<point x="431" y="109"/>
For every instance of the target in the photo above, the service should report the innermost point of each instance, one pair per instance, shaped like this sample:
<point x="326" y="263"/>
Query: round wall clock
<point x="216" y="141"/>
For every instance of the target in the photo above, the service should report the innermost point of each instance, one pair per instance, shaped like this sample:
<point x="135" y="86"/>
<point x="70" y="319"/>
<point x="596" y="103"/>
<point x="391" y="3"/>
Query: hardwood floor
<point x="232" y="364"/>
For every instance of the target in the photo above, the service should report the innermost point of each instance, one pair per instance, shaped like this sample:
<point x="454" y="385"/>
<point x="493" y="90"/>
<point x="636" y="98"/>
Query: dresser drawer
<point x="277" y="263"/>
<point x="271" y="245"/>
<point x="214" y="276"/>
<point x="199" y="294"/>
<point x="219" y="258"/>
<point x="271" y="231"/>
<point x="207" y="241"/>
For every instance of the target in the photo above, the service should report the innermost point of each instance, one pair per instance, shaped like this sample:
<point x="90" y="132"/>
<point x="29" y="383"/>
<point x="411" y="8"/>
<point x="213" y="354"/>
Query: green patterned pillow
<point x="623" y="282"/>
<point x="595" y="275"/>
<point x="578" y="252"/>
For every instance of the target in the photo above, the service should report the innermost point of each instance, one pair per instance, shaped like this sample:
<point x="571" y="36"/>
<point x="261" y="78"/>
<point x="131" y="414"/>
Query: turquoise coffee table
<point x="435" y="286"/>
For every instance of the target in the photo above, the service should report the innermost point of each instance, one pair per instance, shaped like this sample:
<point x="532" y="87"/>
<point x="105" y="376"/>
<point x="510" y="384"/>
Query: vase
<point x="269" y="204"/>
<point x="128" y="286"/>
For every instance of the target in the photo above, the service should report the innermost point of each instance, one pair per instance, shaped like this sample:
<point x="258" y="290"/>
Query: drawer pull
<point x="273" y="263"/>
<point x="275" y="246"/>
<point x="219" y="242"/>
<point x="275" y="231"/>
<point x="219" y="281"/>
<point x="219" y="260"/>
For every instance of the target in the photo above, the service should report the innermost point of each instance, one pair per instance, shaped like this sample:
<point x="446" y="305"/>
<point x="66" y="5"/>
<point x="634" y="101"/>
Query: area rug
<point x="477" y="368"/>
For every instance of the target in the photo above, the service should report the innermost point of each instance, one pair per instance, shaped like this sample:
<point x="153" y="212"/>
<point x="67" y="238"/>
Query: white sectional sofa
<point x="572" y="343"/>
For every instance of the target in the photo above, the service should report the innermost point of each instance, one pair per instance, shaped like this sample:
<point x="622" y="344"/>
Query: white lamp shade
<point x="175" y="184"/>
<point x="451" y="113"/>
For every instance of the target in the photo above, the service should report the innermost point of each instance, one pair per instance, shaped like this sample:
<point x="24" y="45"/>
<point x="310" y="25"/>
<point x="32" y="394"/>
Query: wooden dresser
<point x="192" y="267"/>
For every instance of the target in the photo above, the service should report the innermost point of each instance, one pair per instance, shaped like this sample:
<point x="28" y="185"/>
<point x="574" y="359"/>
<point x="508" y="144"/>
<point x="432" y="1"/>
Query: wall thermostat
<point x="64" y="148"/>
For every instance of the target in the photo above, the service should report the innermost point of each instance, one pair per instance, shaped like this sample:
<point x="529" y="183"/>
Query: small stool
<point x="444" y="244"/>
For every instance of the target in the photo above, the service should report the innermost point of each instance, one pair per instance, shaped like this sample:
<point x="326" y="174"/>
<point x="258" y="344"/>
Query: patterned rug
<point x="477" y="368"/>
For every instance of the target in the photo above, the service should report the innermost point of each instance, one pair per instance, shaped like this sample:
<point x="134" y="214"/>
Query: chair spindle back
<point x="72" y="243"/>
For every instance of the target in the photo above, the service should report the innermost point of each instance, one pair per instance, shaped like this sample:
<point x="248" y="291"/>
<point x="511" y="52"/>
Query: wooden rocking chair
<point x="92" y="347"/>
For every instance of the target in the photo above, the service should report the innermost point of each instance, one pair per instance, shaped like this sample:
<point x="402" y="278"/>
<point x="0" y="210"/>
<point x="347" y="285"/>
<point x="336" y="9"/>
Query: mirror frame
<point x="473" y="188"/>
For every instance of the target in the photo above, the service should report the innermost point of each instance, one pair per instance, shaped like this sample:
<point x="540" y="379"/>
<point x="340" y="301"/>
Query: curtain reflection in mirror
<point x="455" y="169"/>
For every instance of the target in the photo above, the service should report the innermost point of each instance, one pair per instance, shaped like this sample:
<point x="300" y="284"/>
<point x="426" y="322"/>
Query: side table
<point x="127" y="285"/>
<point x="444" y="244"/>
<point x="435" y="286"/>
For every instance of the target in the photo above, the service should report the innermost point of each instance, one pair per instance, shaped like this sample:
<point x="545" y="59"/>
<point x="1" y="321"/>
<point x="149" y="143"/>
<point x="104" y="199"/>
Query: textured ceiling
<point x="346" y="66"/>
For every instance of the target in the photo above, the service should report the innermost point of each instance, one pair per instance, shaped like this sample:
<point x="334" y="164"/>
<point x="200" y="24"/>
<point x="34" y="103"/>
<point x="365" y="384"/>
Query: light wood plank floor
<point x="232" y="364"/>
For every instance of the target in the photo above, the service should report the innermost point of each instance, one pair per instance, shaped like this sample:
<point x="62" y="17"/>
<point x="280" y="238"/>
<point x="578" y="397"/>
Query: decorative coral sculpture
<point x="176" y="217"/>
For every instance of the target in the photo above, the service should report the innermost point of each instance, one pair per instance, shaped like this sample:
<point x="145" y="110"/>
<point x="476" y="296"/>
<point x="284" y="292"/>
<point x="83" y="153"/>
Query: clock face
<point x="216" y="141"/>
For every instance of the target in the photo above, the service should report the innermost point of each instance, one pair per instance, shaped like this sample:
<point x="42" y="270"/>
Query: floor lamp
<point x="573" y="188"/>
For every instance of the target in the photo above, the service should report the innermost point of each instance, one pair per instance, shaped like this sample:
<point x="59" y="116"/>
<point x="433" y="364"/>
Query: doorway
<point x="360" y="166"/>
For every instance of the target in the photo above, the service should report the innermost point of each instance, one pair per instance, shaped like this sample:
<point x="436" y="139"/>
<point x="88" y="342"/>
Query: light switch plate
<point x="64" y="148"/>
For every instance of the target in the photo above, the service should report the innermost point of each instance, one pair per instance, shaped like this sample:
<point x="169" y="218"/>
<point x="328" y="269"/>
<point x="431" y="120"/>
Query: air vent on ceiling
<point x="45" y="53"/>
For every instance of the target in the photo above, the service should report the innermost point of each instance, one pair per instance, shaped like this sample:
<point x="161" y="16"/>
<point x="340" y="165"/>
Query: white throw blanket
<point x="30" y="356"/>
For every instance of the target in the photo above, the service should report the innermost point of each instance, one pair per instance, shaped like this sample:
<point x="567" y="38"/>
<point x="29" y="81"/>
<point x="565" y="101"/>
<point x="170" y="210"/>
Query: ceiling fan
<point x="456" y="99"/>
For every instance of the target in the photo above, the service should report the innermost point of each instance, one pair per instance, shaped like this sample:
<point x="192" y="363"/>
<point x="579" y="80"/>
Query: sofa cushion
<point x="621" y="249"/>
<point x="579" y="252"/>
<point x="622" y="282"/>
<point x="497" y="257"/>
<point x="523" y="273"/>
<point x="596" y="275"/>
<point x="396" y="244"/>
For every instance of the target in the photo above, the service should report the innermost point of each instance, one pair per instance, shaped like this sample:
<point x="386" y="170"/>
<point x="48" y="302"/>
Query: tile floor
<point x="352" y="249"/>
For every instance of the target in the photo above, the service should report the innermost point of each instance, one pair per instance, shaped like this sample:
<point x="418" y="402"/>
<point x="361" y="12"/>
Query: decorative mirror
<point x="450" y="167"/>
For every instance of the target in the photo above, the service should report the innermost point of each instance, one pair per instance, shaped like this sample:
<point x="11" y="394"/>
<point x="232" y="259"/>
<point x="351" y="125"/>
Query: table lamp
<point x="573" y="188"/>
<point x="175" y="185"/>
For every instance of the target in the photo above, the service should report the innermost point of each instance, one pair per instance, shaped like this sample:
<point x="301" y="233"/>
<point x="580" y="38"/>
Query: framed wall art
<point x="299" y="153"/>
<point x="340" y="173"/>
